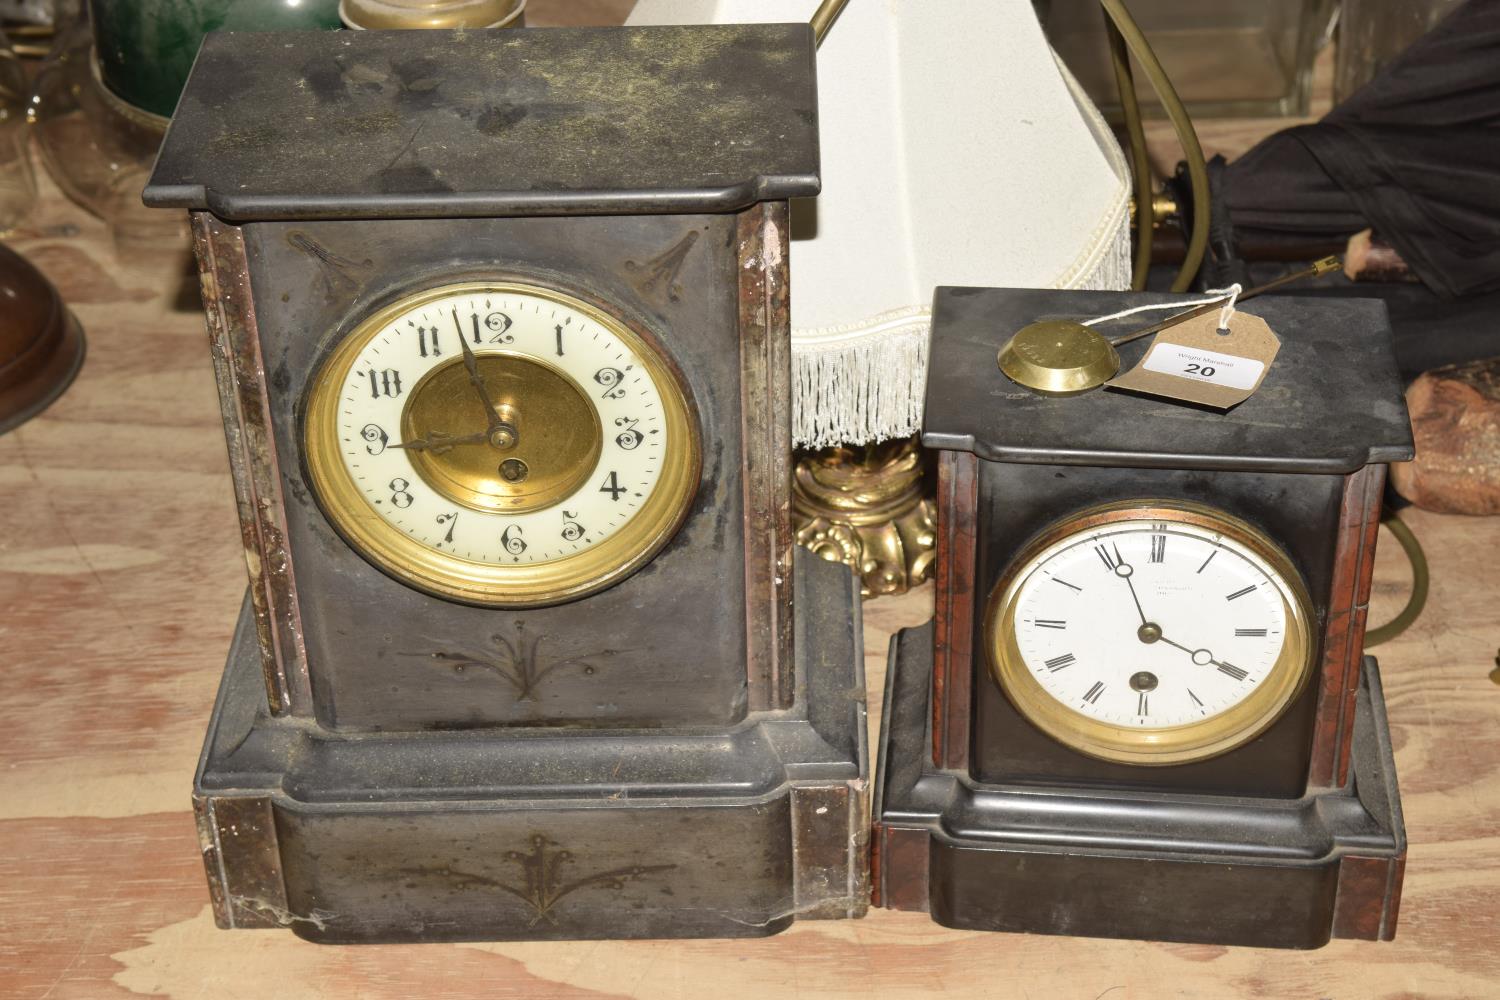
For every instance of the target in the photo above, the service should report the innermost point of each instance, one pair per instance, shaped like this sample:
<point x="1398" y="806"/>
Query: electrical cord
<point x="1192" y="151"/>
<point x="1126" y="38"/>
<point x="1124" y="34"/>
<point x="1419" y="581"/>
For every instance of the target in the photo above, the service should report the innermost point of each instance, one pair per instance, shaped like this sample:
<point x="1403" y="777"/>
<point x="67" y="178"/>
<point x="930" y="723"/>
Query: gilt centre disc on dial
<point x="554" y="437"/>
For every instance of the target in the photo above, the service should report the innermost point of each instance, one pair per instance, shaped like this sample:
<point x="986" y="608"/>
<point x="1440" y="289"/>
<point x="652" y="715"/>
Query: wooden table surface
<point x="120" y="579"/>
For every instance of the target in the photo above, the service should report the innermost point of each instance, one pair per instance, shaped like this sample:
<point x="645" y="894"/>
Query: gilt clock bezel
<point x="1167" y="745"/>
<point x="487" y="584"/>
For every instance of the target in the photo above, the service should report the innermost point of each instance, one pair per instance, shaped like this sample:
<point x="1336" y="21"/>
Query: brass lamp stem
<point x="828" y="11"/>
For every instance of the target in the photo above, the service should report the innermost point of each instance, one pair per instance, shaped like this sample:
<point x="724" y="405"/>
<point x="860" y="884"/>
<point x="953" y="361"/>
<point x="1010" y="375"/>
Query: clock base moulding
<point x="1276" y="873"/>
<point x="537" y="833"/>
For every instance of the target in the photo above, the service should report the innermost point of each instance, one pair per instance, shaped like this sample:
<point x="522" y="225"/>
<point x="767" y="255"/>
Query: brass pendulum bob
<point x="1058" y="357"/>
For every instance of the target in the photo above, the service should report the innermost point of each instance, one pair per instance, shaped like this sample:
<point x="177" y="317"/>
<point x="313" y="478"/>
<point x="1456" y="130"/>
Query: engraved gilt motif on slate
<point x="542" y="869"/>
<point x="334" y="268"/>
<point x="660" y="272"/>
<point x="518" y="661"/>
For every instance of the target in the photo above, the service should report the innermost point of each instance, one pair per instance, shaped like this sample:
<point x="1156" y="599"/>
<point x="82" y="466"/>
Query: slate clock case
<point x="410" y="744"/>
<point x="1142" y="709"/>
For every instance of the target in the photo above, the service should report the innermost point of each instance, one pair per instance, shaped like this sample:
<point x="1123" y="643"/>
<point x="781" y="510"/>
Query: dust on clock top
<point x="443" y="124"/>
<point x="1331" y="403"/>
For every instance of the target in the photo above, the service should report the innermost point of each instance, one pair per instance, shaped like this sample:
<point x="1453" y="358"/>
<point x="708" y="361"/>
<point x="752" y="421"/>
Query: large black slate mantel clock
<point x="1142" y="708"/>
<point x="500" y="324"/>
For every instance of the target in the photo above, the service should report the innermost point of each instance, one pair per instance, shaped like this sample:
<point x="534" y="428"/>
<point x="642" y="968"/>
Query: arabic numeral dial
<point x="400" y="493"/>
<point x="611" y="379"/>
<point x="630" y="437"/>
<point x="501" y="443"/>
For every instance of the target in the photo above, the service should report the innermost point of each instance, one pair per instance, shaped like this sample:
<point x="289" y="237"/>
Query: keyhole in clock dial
<point x="513" y="470"/>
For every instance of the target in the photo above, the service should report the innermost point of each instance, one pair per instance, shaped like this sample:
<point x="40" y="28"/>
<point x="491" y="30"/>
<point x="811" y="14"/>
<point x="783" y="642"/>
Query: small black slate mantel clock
<point x="1142" y="708"/>
<point x="500" y="325"/>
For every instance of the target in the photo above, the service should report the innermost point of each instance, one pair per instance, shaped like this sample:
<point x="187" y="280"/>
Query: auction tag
<point x="1195" y="362"/>
<point x="1204" y="366"/>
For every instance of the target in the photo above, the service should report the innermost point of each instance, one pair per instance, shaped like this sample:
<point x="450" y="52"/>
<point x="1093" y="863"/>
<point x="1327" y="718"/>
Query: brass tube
<point x="1140" y="163"/>
<point x="828" y="11"/>
<point x="1192" y="151"/>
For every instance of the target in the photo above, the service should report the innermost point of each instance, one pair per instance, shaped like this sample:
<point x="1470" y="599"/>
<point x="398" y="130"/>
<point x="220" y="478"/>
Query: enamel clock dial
<point x="501" y="444"/>
<point x="1151" y="633"/>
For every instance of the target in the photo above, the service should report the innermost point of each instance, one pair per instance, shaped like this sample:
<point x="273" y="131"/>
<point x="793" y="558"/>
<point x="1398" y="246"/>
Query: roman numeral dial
<point x="1189" y="631"/>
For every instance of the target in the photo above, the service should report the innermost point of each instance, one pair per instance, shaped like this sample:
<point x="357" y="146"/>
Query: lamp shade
<point x="956" y="151"/>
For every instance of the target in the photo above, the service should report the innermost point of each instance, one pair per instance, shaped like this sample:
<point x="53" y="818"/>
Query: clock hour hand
<point x="437" y="442"/>
<point x="499" y="433"/>
<point x="1201" y="657"/>
<point x="1175" y="645"/>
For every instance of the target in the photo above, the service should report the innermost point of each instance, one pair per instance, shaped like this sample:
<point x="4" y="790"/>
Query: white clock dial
<point x="1150" y="624"/>
<point x="617" y="395"/>
<point x="1153" y="636"/>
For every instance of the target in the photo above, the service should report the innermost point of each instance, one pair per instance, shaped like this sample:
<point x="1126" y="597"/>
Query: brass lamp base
<point x="866" y="506"/>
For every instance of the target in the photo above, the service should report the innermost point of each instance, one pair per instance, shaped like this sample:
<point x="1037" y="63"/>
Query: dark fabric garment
<point x="1414" y="154"/>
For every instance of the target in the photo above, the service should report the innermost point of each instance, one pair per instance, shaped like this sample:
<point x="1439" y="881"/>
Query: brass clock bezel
<point x="487" y="584"/>
<point x="1165" y="745"/>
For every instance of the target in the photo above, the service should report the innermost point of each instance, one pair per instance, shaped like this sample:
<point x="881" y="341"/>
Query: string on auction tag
<point x="1226" y="295"/>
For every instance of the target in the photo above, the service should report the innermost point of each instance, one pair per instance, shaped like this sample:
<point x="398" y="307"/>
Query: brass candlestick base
<point x="866" y="506"/>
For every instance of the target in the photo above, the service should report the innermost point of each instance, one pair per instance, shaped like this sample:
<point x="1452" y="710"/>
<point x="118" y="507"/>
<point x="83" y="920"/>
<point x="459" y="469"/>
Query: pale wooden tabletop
<point x="120" y="579"/>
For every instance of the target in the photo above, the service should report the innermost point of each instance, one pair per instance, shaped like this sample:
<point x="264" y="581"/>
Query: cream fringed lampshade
<point x="956" y="151"/>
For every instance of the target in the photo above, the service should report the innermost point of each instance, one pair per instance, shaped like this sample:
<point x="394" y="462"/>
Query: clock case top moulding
<point x="1287" y="840"/>
<point x="679" y="755"/>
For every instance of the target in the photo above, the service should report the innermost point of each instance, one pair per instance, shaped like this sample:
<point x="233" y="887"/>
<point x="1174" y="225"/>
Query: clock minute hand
<point x="500" y="433"/>
<point x="1125" y="571"/>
